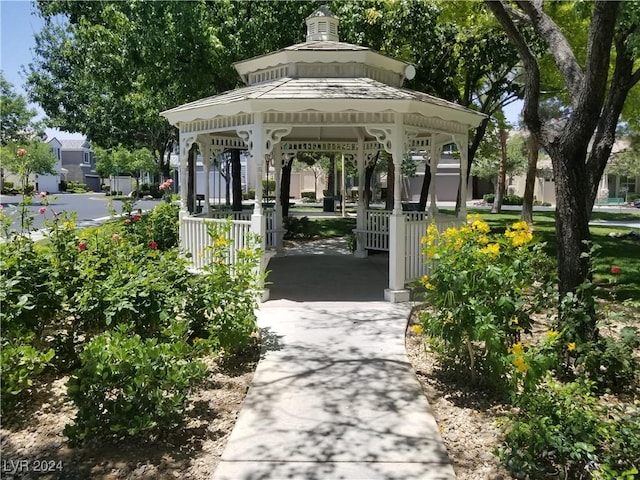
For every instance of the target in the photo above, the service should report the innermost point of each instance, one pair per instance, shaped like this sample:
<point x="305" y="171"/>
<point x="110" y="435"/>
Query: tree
<point x="108" y="68"/>
<point x="597" y="96"/>
<point x="26" y="159"/>
<point x="16" y="119"/>
<point x="121" y="161"/>
<point x="488" y="161"/>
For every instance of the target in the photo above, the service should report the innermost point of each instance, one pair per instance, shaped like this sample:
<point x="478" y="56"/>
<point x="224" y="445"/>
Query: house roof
<point x="75" y="144"/>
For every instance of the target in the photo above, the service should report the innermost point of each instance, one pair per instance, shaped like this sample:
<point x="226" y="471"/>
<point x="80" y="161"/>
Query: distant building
<point x="79" y="162"/>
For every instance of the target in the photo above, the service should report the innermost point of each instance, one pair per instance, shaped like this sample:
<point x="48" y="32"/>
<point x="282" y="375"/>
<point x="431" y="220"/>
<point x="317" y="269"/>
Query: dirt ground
<point x="33" y="446"/>
<point x="466" y="418"/>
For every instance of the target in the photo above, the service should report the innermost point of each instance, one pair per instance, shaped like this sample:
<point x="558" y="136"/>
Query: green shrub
<point x="27" y="290"/>
<point x="308" y="196"/>
<point x="250" y="195"/>
<point x="564" y="431"/>
<point x="506" y="200"/>
<point x="269" y="186"/>
<point x="224" y="297"/>
<point x="481" y="294"/>
<point x="127" y="385"/>
<point x="127" y="281"/>
<point x="300" y="227"/>
<point x="21" y="363"/>
<point x="77" y="187"/>
<point x="164" y="225"/>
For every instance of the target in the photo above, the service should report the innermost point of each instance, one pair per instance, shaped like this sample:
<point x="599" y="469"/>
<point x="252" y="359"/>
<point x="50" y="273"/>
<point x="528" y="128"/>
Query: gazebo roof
<point x="320" y="94"/>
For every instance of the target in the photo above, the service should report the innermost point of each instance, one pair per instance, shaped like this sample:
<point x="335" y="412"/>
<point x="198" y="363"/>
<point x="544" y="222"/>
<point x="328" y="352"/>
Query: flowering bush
<point x="482" y="291"/>
<point x="564" y="431"/>
<point x="224" y="302"/>
<point x="68" y="296"/>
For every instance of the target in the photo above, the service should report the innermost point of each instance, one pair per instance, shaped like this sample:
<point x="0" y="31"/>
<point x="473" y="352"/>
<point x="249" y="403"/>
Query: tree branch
<point x="558" y="45"/>
<point x="530" y="111"/>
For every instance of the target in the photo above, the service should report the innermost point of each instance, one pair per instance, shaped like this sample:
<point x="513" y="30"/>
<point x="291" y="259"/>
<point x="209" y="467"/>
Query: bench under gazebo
<point x="323" y="95"/>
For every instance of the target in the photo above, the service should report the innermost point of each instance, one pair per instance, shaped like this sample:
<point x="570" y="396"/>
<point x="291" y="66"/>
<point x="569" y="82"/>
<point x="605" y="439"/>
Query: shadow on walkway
<point x="333" y="278"/>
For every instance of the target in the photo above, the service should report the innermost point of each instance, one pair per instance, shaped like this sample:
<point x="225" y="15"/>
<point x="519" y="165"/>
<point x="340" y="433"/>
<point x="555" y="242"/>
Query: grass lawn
<point x="623" y="252"/>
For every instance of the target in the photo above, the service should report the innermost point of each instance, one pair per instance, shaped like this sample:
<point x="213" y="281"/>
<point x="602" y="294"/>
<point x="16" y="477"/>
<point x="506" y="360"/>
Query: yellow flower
<point x="450" y="233"/>
<point x="221" y="242"/>
<point x="520" y="364"/>
<point x="458" y="244"/>
<point x="517" y="348"/>
<point x="481" y="226"/>
<point x="426" y="283"/>
<point x="417" y="329"/>
<point x="522" y="225"/>
<point x="483" y="240"/>
<point x="571" y="346"/>
<point x="552" y="334"/>
<point x="514" y="321"/>
<point x="491" y="249"/>
<point x="423" y="240"/>
<point x="70" y="224"/>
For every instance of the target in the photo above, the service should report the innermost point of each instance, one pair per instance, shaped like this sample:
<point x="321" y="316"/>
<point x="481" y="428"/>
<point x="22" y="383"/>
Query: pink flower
<point x="82" y="246"/>
<point x="135" y="216"/>
<point x="42" y="210"/>
<point x="169" y="181"/>
<point x="615" y="270"/>
<point x="153" y="245"/>
<point x="21" y="152"/>
<point x="127" y="220"/>
<point x="43" y="194"/>
<point x="115" y="236"/>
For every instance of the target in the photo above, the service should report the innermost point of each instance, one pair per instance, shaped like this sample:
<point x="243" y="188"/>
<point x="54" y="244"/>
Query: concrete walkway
<point x="334" y="396"/>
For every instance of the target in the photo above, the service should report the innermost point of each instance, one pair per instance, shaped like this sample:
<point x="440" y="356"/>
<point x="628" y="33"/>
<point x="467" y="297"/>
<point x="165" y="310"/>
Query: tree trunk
<point x="530" y="182"/>
<point x="391" y="176"/>
<point x="572" y="231"/>
<point x="285" y="187"/>
<point x="331" y="176"/>
<point x="424" y="192"/>
<point x="236" y="180"/>
<point x="368" y="176"/>
<point x="502" y="174"/>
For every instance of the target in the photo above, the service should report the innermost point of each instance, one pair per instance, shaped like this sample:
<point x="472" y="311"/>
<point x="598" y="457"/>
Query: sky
<point x="17" y="28"/>
<point x="18" y="25"/>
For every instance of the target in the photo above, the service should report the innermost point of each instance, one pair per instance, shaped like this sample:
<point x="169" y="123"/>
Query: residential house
<point x="79" y="162"/>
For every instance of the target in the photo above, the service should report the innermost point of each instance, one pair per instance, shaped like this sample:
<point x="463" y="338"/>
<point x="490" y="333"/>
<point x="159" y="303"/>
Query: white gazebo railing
<point x="416" y="224"/>
<point x="375" y="236"/>
<point x="195" y="238"/>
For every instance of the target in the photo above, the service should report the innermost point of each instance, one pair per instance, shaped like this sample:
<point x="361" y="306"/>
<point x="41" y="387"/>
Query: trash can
<point x="328" y="204"/>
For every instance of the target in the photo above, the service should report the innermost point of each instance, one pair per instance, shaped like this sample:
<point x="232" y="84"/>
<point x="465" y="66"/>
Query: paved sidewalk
<point x="334" y="396"/>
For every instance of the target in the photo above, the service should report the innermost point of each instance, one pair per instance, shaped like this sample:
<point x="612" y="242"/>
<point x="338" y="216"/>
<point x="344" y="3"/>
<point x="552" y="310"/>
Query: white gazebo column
<point x="434" y="159"/>
<point x="393" y="141"/>
<point x="360" y="251"/>
<point x="254" y="139"/>
<point x="462" y="141"/>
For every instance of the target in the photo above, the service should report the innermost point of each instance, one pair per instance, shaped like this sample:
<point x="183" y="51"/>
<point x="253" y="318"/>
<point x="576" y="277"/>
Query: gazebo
<point x="327" y="96"/>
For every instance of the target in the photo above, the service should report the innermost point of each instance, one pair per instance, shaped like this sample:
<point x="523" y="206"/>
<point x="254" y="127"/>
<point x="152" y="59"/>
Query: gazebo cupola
<point x="322" y="25"/>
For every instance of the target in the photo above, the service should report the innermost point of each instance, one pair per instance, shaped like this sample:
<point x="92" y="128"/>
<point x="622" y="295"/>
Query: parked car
<point x="636" y="203"/>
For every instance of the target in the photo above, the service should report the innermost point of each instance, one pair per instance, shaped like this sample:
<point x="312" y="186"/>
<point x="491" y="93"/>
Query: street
<point x="88" y="207"/>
